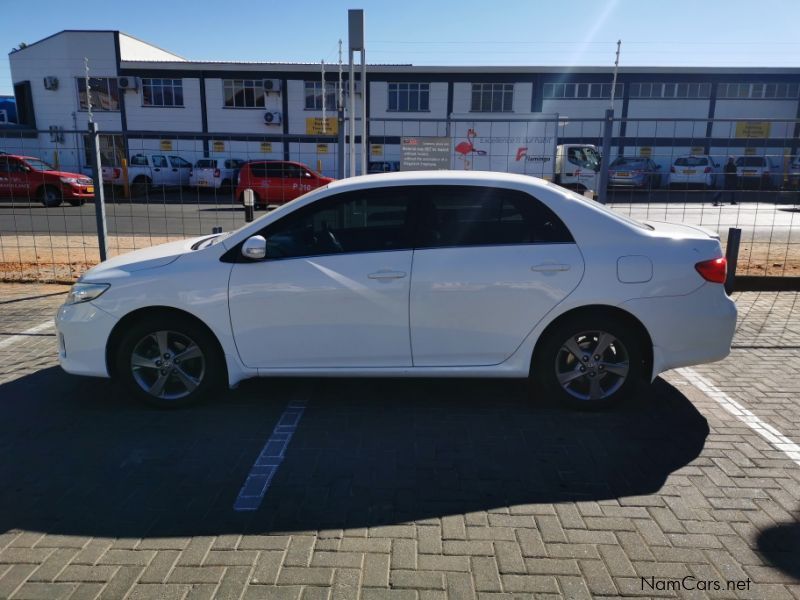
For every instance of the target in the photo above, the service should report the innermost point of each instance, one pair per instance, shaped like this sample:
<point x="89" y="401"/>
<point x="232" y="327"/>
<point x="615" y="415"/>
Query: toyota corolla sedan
<point x="418" y="274"/>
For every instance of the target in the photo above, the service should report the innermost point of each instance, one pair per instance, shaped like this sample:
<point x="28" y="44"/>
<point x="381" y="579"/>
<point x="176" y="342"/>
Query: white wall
<point x="663" y="110"/>
<point x="582" y="109"/>
<point x="156" y="118"/>
<point x="411" y="125"/>
<point x="132" y="49"/>
<point x="239" y="120"/>
<point x="754" y="109"/>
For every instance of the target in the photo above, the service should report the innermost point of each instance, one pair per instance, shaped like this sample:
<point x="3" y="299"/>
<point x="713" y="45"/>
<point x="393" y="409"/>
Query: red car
<point x="275" y="182"/>
<point x="26" y="177"/>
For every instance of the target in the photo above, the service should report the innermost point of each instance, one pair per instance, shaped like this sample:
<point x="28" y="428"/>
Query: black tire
<point x="207" y="372"/>
<point x="77" y="202"/>
<point x="50" y="196"/>
<point x="140" y="185"/>
<point x="552" y="357"/>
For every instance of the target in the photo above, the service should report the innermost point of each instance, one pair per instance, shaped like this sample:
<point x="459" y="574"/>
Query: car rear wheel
<point x="50" y="196"/>
<point x="140" y="185"/>
<point x="170" y="362"/>
<point x="590" y="361"/>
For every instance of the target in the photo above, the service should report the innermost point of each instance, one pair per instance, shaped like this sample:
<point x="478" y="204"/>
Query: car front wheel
<point x="170" y="362"/>
<point x="590" y="362"/>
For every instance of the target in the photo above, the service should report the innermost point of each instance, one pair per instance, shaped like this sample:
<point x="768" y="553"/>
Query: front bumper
<point x="82" y="192"/>
<point x="83" y="331"/>
<point x="687" y="330"/>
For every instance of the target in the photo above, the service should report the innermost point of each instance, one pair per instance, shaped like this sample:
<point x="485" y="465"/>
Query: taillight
<point x="707" y="170"/>
<point x="714" y="270"/>
<point x="116" y="173"/>
<point x="672" y="169"/>
<point x="216" y="173"/>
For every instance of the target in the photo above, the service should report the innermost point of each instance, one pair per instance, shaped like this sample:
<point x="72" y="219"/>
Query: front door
<point x="162" y="174"/>
<point x="333" y="290"/>
<point x="490" y="263"/>
<point x="180" y="169"/>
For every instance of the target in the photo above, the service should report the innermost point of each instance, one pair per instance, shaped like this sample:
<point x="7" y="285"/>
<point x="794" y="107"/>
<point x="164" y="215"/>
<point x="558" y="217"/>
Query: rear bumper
<point x="627" y="181"/>
<point x="83" y="331"/>
<point x="687" y="330"/>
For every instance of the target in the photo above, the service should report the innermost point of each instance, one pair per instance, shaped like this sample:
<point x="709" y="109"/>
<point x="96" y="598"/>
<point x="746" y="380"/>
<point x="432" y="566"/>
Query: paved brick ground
<point x="400" y="489"/>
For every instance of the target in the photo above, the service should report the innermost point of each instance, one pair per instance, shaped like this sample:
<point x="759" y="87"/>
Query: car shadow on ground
<point x="79" y="458"/>
<point x="780" y="546"/>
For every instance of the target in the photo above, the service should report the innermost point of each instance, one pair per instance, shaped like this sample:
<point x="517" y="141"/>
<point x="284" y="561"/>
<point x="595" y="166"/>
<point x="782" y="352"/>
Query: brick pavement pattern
<point x="399" y="489"/>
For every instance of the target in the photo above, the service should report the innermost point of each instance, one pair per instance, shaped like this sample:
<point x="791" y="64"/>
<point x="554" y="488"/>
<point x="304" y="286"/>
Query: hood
<point x="65" y="174"/>
<point x="681" y="231"/>
<point x="140" y="260"/>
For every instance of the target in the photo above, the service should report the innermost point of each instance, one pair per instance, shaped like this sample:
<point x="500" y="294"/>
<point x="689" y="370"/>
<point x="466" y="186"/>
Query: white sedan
<point x="420" y="274"/>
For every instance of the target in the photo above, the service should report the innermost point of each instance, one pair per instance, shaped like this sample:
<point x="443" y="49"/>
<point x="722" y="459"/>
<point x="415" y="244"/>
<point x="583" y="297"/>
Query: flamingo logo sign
<point x="467" y="149"/>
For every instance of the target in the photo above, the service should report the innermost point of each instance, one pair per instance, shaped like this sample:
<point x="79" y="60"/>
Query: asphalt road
<point x="188" y="213"/>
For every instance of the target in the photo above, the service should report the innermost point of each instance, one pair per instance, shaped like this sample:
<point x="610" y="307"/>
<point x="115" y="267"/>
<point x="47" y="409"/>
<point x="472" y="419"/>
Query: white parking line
<point x="270" y="458"/>
<point x="20" y="336"/>
<point x="765" y="430"/>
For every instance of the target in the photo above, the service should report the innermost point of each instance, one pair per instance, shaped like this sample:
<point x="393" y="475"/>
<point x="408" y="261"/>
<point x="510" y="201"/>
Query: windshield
<point x="38" y="165"/>
<point x="602" y="207"/>
<point x="691" y="161"/>
<point x="586" y="157"/>
<point x="750" y="161"/>
<point x="206" y="163"/>
<point x="632" y="163"/>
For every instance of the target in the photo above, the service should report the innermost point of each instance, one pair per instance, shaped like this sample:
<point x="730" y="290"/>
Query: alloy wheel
<point x="168" y="365"/>
<point x="592" y="365"/>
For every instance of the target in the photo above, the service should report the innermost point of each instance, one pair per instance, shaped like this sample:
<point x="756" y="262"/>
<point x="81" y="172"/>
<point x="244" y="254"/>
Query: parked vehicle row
<point x="30" y="178"/>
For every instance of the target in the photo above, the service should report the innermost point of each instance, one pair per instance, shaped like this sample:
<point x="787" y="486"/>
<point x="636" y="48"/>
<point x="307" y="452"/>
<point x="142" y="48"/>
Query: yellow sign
<point x="266" y="147"/>
<point x="645" y="151"/>
<point x="752" y="129"/>
<point x="314" y="126"/>
<point x="749" y="151"/>
<point x="166" y="145"/>
<point x="218" y="146"/>
<point x="698" y="150"/>
<point x="322" y="148"/>
<point x="376" y="150"/>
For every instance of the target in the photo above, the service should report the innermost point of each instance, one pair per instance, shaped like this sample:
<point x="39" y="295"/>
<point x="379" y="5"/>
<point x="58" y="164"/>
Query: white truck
<point x="526" y="144"/>
<point x="150" y="170"/>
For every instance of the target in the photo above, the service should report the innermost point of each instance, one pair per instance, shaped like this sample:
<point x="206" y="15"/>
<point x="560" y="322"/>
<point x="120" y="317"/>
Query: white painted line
<point x="272" y="454"/>
<point x="765" y="430"/>
<point x="21" y="336"/>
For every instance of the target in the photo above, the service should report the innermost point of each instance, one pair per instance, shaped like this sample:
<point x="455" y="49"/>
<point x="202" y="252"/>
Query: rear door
<point x="488" y="265"/>
<point x="180" y="169"/>
<point x="161" y="170"/>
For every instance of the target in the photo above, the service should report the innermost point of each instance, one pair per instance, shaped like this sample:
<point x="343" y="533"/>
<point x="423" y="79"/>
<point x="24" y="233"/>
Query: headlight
<point x="84" y="292"/>
<point x="69" y="179"/>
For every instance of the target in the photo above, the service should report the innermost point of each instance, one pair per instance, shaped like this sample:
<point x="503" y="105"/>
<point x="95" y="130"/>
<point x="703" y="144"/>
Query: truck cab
<point x="577" y="167"/>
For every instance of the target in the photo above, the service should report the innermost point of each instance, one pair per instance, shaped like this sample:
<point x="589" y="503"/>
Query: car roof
<point x="449" y="177"/>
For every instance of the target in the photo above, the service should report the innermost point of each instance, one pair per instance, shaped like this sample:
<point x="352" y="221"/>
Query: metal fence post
<point x="340" y="144"/>
<point x="608" y="127"/>
<point x="732" y="256"/>
<point x="99" y="195"/>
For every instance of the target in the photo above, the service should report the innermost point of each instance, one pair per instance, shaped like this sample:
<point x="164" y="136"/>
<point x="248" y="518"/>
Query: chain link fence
<point x="162" y="186"/>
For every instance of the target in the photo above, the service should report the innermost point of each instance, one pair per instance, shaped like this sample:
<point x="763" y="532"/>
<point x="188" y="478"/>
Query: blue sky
<point x="491" y="32"/>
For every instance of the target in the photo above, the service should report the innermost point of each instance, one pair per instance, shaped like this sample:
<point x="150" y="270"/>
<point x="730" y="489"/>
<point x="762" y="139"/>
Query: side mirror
<point x="255" y="248"/>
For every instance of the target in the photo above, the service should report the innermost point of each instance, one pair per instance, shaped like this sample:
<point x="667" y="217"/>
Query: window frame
<point x="240" y="86"/>
<point x="488" y="90"/>
<point x="80" y="84"/>
<point x="313" y="89"/>
<point x="581" y="90"/>
<point x="412" y="88"/>
<point x="151" y="84"/>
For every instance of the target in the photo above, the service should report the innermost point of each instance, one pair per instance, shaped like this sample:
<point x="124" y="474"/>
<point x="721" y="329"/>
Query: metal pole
<point x="364" y="135"/>
<point x="324" y="130"/>
<point x="616" y="67"/>
<point x="732" y="256"/>
<point x="340" y="122"/>
<point x="608" y="126"/>
<point x="352" y="111"/>
<point x="99" y="196"/>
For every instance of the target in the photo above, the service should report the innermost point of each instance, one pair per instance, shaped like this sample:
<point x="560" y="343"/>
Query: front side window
<point x="479" y="216"/>
<point x="409" y="97"/>
<point x="180" y="163"/>
<point x="159" y="161"/>
<point x="243" y="93"/>
<point x="139" y="160"/>
<point x="313" y="94"/>
<point x="38" y="165"/>
<point x="104" y="93"/>
<point x="492" y="97"/>
<point x="362" y="221"/>
<point x="162" y="92"/>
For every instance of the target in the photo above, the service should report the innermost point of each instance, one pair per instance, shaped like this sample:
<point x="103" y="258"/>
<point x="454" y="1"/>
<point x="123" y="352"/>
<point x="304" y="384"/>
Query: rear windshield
<point x="750" y="161"/>
<point x="233" y="163"/>
<point x="602" y="207"/>
<point x="206" y="163"/>
<point x="633" y="163"/>
<point x="691" y="161"/>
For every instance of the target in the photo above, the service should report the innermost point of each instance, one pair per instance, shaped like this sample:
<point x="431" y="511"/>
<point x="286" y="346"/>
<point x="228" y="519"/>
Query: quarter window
<point x="243" y="93"/>
<point x="104" y="93"/>
<point x="162" y="92"/>
<point x="478" y="216"/>
<point x="371" y="221"/>
<point x="492" y="97"/>
<point x="409" y="97"/>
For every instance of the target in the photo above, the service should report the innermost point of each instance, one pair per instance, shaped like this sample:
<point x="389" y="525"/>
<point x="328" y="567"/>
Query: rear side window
<point x="750" y="161"/>
<point x="206" y="163"/>
<point x="362" y="221"/>
<point x="139" y="160"/>
<point x="274" y="169"/>
<point x="482" y="216"/>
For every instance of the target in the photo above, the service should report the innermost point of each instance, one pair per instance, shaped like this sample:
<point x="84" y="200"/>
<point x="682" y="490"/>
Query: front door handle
<point x="387" y="275"/>
<point x="550" y="268"/>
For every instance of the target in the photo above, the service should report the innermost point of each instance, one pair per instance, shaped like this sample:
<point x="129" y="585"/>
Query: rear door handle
<point x="550" y="268"/>
<point x="387" y="275"/>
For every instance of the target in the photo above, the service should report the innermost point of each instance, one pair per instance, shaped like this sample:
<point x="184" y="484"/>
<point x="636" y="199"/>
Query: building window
<point x="104" y="93"/>
<point x="243" y="93"/>
<point x="313" y="93"/>
<point x="409" y="97"/>
<point x="683" y="90"/>
<point x="492" y="97"/>
<point x="162" y="92"/>
<point x="769" y="91"/>
<point x="570" y="91"/>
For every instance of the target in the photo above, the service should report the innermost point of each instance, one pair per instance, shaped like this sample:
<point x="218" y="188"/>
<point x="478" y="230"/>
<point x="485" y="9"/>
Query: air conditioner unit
<point x="128" y="83"/>
<point x="272" y="85"/>
<point x="272" y="118"/>
<point x="51" y="83"/>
